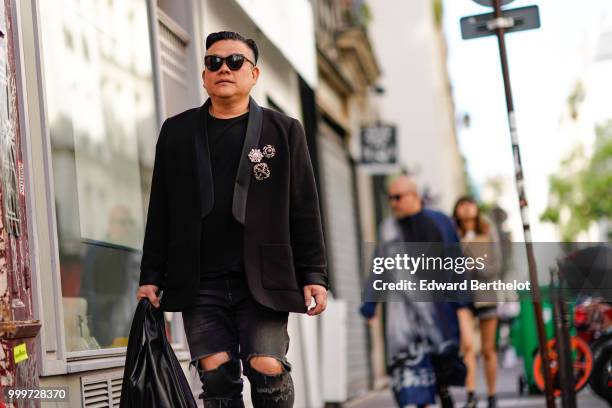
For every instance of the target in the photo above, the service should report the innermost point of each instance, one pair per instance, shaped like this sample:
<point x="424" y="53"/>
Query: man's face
<point x="225" y="83"/>
<point x="404" y="200"/>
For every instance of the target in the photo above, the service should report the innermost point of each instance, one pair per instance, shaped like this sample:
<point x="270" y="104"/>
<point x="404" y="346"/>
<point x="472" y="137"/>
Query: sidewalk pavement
<point x="507" y="393"/>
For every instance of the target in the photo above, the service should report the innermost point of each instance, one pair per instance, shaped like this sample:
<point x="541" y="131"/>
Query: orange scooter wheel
<point x="582" y="363"/>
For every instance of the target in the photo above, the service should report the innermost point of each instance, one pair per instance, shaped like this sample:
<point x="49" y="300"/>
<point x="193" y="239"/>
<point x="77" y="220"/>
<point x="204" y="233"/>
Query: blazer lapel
<point x="243" y="176"/>
<point x="203" y="169"/>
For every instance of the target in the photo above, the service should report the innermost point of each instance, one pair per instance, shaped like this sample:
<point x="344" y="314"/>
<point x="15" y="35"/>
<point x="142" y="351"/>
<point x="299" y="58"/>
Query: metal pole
<point x="564" y="347"/>
<point x="518" y="172"/>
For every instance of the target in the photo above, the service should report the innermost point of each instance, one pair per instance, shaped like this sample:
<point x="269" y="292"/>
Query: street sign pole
<point x="499" y="25"/>
<point x="563" y="344"/>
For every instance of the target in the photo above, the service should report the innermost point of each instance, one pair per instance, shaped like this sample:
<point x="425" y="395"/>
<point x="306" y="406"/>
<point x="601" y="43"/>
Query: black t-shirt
<point x="222" y="235"/>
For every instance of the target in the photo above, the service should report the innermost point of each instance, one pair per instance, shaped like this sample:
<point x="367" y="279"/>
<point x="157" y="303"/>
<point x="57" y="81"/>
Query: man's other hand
<point x="149" y="292"/>
<point x="319" y="293"/>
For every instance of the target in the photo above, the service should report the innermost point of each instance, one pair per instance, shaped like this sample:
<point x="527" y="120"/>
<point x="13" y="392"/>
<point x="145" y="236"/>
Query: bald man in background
<point x="411" y="222"/>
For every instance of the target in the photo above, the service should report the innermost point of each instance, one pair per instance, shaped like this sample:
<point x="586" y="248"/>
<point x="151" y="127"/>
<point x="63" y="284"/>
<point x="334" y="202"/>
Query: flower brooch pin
<point x="261" y="171"/>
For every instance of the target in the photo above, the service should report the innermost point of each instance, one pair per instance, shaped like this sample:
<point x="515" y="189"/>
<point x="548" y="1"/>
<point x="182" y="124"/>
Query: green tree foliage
<point x="582" y="191"/>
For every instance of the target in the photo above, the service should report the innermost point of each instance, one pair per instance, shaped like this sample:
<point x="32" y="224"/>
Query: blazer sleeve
<point x="155" y="245"/>
<point x="305" y="219"/>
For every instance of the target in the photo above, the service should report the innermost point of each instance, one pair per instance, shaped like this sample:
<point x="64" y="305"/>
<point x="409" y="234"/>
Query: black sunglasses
<point x="233" y="61"/>
<point x="397" y="197"/>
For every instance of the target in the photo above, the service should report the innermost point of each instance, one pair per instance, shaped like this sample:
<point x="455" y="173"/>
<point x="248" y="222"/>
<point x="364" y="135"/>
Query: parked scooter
<point x="593" y="320"/>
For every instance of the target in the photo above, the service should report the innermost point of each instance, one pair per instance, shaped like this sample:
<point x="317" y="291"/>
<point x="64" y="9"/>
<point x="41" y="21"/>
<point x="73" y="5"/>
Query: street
<point x="507" y="395"/>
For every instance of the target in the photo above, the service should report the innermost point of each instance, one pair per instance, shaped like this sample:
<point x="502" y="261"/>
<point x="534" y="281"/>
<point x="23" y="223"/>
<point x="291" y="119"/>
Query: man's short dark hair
<point x="231" y="35"/>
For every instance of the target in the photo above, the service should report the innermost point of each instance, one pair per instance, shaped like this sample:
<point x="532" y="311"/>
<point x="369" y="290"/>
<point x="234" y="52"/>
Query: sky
<point x="544" y="66"/>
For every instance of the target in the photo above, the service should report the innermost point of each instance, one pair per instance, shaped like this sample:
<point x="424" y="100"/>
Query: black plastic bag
<point x="153" y="376"/>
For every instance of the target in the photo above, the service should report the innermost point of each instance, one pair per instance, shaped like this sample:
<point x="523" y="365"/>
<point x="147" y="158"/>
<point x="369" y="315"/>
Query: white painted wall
<point x="290" y="27"/>
<point x="417" y="96"/>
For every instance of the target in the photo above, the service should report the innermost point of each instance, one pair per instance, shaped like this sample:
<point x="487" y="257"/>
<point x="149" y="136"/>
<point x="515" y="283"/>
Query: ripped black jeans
<point x="226" y="318"/>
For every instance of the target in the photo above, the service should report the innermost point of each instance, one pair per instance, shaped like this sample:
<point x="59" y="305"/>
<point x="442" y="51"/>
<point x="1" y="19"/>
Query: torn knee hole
<point x="213" y="361"/>
<point x="266" y="365"/>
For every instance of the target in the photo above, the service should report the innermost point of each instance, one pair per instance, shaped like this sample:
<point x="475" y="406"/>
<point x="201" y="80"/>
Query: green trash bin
<point x="524" y="336"/>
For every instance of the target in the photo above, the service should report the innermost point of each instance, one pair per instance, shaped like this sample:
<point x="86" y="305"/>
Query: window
<point x="101" y="115"/>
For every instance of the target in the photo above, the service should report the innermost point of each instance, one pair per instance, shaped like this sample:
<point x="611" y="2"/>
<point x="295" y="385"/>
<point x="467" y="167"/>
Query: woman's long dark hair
<point x="482" y="227"/>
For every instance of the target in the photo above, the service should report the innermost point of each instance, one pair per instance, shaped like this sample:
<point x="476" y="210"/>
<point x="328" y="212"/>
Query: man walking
<point x="233" y="234"/>
<point x="414" y="329"/>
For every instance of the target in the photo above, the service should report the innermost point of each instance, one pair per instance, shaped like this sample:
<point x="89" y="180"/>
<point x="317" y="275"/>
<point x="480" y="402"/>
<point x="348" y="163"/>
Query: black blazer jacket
<point x="283" y="240"/>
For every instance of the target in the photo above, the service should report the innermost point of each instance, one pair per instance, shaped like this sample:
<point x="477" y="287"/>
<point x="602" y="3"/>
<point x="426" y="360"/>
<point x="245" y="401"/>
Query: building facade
<point x="345" y="102"/>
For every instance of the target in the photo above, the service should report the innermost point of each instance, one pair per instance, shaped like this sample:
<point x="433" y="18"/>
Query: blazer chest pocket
<point x="277" y="269"/>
